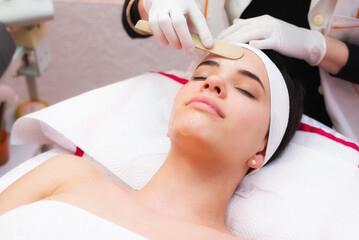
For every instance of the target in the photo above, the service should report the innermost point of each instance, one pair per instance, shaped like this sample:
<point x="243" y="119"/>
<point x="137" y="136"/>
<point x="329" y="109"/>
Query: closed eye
<point x="245" y="92"/>
<point x="199" y="78"/>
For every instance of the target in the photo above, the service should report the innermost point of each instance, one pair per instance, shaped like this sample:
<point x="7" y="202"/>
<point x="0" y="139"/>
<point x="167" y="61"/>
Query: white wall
<point x="90" y="49"/>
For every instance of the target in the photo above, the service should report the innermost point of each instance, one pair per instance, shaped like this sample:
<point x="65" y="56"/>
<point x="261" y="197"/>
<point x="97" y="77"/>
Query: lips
<point x="206" y="104"/>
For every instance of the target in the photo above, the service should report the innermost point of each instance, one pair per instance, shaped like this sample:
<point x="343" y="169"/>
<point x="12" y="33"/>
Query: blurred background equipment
<point x="22" y="45"/>
<point x="89" y="49"/>
<point x="24" y="20"/>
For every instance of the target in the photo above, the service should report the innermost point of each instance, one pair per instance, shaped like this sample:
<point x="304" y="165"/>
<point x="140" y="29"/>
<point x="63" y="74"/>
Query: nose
<point x="214" y="84"/>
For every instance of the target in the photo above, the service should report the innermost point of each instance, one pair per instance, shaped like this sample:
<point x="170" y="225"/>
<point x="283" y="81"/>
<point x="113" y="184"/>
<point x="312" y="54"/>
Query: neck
<point x="191" y="189"/>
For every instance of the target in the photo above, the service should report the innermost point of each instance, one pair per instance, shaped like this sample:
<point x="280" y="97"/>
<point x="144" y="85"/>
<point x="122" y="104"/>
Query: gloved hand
<point x="266" y="32"/>
<point x="173" y="20"/>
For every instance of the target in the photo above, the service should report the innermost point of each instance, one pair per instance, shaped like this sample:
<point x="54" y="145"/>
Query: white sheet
<point x="54" y="220"/>
<point x="126" y="131"/>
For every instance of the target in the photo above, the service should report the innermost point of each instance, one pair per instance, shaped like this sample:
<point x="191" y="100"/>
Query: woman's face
<point x="224" y="110"/>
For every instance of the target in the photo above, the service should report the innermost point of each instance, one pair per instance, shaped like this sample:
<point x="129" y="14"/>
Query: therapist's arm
<point x="336" y="55"/>
<point x="341" y="60"/>
<point x="142" y="11"/>
<point x="132" y="12"/>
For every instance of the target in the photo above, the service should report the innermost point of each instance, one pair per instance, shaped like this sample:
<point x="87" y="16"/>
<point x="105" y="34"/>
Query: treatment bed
<point x="310" y="192"/>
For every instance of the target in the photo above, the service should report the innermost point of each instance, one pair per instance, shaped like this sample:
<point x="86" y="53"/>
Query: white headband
<point x="279" y="113"/>
<point x="279" y="97"/>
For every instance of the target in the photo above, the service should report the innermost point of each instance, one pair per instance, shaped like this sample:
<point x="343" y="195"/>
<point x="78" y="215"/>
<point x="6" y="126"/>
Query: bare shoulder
<point x="69" y="166"/>
<point x="61" y="169"/>
<point x="46" y="179"/>
<point x="74" y="172"/>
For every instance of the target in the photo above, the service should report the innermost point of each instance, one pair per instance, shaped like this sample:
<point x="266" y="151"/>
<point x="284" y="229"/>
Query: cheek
<point x="183" y="119"/>
<point x="249" y="124"/>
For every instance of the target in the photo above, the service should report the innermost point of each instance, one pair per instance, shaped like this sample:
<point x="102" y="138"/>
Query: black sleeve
<point x="135" y="16"/>
<point x="7" y="49"/>
<point x="350" y="71"/>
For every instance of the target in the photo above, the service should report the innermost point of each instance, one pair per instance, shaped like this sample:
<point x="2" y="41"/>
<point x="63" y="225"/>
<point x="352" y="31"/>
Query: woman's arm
<point x="47" y="179"/>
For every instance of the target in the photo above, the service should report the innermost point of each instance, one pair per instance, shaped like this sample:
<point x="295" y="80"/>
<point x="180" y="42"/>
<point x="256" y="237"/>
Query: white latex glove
<point x="173" y="20"/>
<point x="266" y="32"/>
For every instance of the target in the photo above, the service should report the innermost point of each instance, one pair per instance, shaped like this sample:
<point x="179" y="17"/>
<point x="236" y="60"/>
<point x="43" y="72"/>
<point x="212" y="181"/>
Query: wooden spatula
<point x="220" y="48"/>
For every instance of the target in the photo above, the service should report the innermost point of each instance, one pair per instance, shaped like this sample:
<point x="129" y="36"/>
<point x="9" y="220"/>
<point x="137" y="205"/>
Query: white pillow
<point x="310" y="192"/>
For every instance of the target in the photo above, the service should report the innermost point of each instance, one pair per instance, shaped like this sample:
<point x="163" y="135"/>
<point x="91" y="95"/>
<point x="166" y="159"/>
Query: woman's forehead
<point x="248" y="58"/>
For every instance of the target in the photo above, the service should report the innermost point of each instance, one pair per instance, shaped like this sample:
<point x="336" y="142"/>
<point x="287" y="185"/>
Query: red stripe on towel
<point x="79" y="152"/>
<point x="174" y="77"/>
<point x="307" y="128"/>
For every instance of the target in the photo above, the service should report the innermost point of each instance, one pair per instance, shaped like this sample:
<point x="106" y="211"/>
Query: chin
<point x="189" y="123"/>
<point x="192" y="136"/>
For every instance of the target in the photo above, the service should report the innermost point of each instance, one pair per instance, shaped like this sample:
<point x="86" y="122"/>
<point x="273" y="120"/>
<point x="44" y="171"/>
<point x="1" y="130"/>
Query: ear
<point x="257" y="160"/>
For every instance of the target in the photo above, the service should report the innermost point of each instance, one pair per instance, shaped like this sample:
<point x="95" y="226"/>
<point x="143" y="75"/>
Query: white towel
<point x="53" y="220"/>
<point x="123" y="125"/>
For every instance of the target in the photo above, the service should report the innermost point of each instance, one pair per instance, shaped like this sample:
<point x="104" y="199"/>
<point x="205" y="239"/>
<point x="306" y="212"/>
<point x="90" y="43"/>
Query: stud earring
<point x="253" y="162"/>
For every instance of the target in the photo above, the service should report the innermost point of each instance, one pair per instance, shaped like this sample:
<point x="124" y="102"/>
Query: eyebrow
<point x="252" y="76"/>
<point x="241" y="72"/>
<point x="209" y="63"/>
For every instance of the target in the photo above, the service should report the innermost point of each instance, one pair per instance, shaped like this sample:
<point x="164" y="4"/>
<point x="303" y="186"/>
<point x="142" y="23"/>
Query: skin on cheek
<point x="247" y="130"/>
<point x="183" y="119"/>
